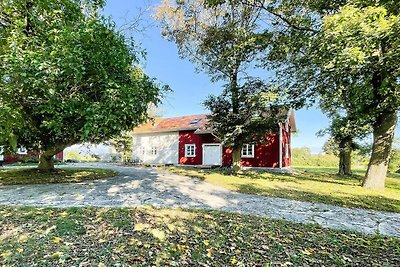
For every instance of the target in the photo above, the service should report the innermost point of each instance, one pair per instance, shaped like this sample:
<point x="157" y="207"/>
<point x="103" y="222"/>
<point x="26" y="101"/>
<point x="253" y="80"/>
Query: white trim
<point x="280" y="145"/>
<point x="252" y="151"/>
<point x="212" y="144"/>
<point x="287" y="151"/>
<point x="186" y="151"/>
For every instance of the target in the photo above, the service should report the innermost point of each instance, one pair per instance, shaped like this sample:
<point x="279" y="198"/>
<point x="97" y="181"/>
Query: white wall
<point x="167" y="145"/>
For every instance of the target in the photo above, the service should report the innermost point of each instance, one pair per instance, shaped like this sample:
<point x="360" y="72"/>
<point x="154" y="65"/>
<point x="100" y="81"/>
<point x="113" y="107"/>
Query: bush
<point x="75" y="156"/>
<point x="394" y="163"/>
<point x="32" y="159"/>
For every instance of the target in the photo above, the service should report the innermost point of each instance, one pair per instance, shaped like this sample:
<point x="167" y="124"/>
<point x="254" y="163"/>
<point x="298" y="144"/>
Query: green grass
<point x="312" y="184"/>
<point x="29" y="164"/>
<point x="35" y="176"/>
<point x="167" y="237"/>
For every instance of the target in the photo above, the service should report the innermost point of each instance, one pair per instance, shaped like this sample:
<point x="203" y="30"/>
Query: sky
<point x="189" y="87"/>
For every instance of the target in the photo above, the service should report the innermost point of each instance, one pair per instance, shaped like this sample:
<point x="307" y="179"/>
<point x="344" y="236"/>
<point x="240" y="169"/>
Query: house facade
<point x="187" y="141"/>
<point x="22" y="154"/>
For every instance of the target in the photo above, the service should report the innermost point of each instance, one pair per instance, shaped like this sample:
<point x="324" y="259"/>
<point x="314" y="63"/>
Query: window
<point x="248" y="151"/>
<point x="142" y="151"/>
<point x="195" y="121"/>
<point x="154" y="150"/>
<point x="190" y="150"/>
<point x="22" y="151"/>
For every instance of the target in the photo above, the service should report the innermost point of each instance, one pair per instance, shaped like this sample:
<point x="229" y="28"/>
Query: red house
<point x="186" y="141"/>
<point x="22" y="155"/>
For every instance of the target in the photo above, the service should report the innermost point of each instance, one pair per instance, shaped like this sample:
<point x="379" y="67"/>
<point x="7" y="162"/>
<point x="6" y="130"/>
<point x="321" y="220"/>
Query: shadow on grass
<point x="152" y="237"/>
<point x="37" y="176"/>
<point x="296" y="177"/>
<point x="367" y="202"/>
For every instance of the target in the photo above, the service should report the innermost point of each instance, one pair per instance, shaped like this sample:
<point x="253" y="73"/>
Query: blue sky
<point x="189" y="87"/>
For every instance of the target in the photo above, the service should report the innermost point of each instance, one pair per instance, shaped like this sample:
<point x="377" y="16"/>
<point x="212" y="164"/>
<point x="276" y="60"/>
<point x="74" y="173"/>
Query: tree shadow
<point x="366" y="202"/>
<point x="295" y="177"/>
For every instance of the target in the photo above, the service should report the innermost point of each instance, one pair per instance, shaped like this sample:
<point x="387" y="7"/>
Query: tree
<point x="345" y="127"/>
<point x="221" y="40"/>
<point x="247" y="125"/>
<point x="343" y="132"/>
<point x="315" y="42"/>
<point x="366" y="39"/>
<point x="68" y="76"/>
<point x="123" y="145"/>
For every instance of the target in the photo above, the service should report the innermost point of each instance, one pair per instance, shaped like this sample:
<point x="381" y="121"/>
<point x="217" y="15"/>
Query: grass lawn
<point x="320" y="185"/>
<point x="165" y="237"/>
<point x="35" y="176"/>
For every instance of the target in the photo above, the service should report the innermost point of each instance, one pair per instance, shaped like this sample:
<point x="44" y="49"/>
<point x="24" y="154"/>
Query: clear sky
<point x="189" y="87"/>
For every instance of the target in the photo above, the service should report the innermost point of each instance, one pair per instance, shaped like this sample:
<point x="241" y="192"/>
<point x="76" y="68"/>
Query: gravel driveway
<point x="147" y="186"/>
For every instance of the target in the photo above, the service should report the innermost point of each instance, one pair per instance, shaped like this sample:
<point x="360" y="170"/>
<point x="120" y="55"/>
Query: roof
<point x="192" y="122"/>
<point x="188" y="123"/>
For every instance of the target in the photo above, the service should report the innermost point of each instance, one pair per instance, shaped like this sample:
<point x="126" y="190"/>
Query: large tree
<point x="221" y="41"/>
<point x="345" y="127"/>
<point x="364" y="42"/>
<point x="67" y="76"/>
<point x="315" y="42"/>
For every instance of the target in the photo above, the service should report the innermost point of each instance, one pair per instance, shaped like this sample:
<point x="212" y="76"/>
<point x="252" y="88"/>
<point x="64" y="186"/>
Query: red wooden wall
<point x="30" y="154"/>
<point x="189" y="137"/>
<point x="266" y="153"/>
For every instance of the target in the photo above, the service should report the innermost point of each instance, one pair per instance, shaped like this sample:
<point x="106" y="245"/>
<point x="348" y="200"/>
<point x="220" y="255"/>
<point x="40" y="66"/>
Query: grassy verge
<point x="165" y="237"/>
<point x="35" y="176"/>
<point x="29" y="164"/>
<point x="319" y="185"/>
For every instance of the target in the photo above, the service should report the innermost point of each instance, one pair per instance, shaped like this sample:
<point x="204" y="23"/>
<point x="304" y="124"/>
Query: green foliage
<point x="75" y="155"/>
<point x="253" y="118"/>
<point x="159" y="237"/>
<point x="67" y="75"/>
<point x="394" y="164"/>
<point x="123" y="144"/>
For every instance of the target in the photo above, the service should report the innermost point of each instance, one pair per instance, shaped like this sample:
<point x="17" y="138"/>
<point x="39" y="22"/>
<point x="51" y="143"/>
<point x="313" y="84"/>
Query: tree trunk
<point x="233" y="79"/>
<point x="345" y="156"/>
<point x="46" y="162"/>
<point x="383" y="134"/>
<point x="236" y="157"/>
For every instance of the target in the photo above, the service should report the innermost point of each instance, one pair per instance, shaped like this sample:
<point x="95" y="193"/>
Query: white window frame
<point x="188" y="150"/>
<point x="22" y="151"/>
<point x="248" y="148"/>
<point x="287" y="151"/>
<point x="154" y="150"/>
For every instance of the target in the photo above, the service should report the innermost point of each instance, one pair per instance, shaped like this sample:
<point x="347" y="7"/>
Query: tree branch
<point x="260" y="4"/>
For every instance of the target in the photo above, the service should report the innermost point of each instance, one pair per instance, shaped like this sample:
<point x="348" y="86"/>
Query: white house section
<point x="156" y="148"/>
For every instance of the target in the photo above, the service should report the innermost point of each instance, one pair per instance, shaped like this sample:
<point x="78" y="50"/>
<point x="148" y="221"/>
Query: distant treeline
<point x="304" y="157"/>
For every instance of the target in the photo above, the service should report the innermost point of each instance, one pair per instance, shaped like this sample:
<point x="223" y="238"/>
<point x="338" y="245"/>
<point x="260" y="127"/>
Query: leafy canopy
<point x="68" y="75"/>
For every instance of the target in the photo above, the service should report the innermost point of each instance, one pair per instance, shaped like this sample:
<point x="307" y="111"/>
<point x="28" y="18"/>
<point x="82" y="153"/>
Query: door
<point x="212" y="154"/>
